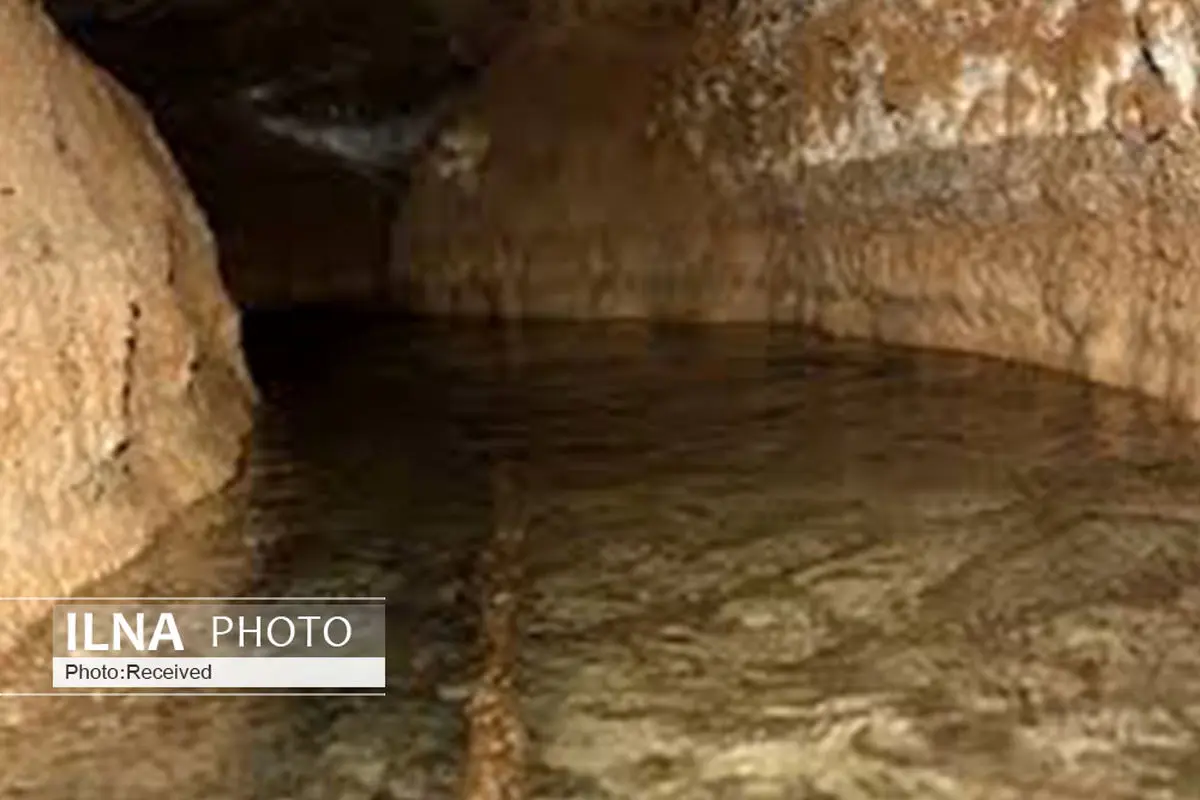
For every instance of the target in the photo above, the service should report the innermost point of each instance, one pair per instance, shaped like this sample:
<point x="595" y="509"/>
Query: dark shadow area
<point x="295" y="121"/>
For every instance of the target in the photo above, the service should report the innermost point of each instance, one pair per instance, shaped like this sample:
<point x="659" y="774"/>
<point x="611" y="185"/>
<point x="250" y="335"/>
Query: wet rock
<point x="495" y="757"/>
<point x="1018" y="182"/>
<point x="124" y="397"/>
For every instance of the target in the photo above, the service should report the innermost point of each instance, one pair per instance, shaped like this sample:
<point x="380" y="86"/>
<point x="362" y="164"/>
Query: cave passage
<point x="755" y="562"/>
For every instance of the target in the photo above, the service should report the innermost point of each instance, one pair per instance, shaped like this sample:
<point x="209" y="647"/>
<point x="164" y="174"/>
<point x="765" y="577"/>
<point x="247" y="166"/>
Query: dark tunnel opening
<point x="295" y="123"/>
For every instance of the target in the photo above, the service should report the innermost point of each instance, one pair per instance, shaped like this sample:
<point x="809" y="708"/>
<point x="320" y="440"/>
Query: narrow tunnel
<point x="730" y="399"/>
<point x="280" y="112"/>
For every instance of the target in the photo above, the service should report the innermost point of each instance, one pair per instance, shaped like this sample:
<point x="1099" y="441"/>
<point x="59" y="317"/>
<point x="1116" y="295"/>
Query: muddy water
<point x="756" y="565"/>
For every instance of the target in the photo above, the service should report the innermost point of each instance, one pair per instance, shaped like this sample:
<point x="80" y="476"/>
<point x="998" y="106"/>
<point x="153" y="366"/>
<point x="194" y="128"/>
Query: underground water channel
<point x="755" y="564"/>
<point x="752" y="562"/>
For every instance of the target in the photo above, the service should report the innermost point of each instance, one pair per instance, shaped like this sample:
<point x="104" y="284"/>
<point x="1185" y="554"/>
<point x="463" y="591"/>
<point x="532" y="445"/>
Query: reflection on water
<point x="688" y="488"/>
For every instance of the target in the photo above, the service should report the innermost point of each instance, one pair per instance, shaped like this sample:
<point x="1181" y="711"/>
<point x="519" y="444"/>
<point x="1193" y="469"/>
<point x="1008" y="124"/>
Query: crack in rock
<point x="1146" y="48"/>
<point x="127" y="378"/>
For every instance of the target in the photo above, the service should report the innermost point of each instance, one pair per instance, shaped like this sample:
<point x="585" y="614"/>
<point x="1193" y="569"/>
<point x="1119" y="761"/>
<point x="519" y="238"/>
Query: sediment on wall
<point x="783" y="162"/>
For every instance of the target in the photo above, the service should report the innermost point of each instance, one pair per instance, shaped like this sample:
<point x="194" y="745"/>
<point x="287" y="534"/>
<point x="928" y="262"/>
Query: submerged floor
<point x="757" y="566"/>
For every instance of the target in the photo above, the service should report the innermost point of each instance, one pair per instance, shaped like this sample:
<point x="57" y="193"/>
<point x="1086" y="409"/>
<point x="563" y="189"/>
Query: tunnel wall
<point x="123" y="395"/>
<point x="1018" y="183"/>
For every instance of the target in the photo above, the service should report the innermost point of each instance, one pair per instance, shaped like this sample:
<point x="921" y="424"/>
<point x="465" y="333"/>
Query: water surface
<point x="760" y="565"/>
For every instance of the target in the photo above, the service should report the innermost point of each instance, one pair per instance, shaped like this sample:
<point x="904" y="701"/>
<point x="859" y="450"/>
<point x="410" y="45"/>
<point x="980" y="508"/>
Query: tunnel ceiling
<point x="188" y="53"/>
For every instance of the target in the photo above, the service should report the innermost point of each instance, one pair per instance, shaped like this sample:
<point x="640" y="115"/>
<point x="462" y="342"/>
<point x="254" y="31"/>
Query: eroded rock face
<point x="1014" y="179"/>
<point x="123" y="394"/>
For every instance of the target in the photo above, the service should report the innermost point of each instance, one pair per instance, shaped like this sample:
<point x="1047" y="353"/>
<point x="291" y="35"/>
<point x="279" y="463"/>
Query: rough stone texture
<point x="123" y="395"/>
<point x="1016" y="179"/>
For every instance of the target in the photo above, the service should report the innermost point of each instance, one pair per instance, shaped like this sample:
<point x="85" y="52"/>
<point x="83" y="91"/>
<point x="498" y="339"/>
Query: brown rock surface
<point x="1012" y="179"/>
<point x="123" y="395"/>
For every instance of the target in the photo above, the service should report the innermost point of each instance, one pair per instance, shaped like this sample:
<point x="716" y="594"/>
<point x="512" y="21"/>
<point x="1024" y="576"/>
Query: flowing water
<point x="758" y="565"/>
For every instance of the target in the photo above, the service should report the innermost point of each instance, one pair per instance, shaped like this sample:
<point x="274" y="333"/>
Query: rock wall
<point x="1011" y="179"/>
<point x="123" y="394"/>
